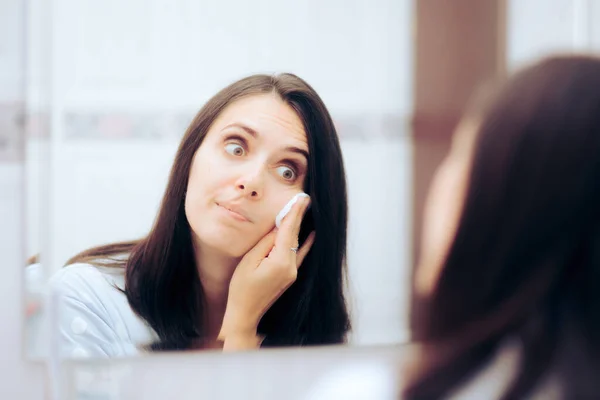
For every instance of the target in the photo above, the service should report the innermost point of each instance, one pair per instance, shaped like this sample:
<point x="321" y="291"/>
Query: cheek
<point x="205" y="175"/>
<point x="267" y="210"/>
<point x="199" y="187"/>
<point x="442" y="212"/>
<point x="272" y="204"/>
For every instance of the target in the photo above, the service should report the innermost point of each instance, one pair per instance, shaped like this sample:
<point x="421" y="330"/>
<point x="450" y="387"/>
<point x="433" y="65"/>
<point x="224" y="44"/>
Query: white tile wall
<point x="537" y="28"/>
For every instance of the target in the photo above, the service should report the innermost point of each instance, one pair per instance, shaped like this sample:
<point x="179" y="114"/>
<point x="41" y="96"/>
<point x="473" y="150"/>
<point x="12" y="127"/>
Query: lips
<point x="235" y="211"/>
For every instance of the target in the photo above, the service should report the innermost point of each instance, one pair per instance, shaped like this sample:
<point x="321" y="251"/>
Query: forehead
<point x="267" y="114"/>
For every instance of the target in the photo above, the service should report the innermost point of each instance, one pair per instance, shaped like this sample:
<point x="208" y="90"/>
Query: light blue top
<point x="92" y="318"/>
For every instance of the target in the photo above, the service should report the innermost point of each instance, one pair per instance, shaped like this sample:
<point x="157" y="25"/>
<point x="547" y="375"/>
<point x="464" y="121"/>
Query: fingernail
<point x="303" y="196"/>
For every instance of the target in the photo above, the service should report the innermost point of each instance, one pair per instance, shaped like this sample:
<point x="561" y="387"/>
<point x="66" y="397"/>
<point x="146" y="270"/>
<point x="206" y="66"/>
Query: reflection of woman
<point x="511" y="261"/>
<point x="510" y="264"/>
<point x="214" y="271"/>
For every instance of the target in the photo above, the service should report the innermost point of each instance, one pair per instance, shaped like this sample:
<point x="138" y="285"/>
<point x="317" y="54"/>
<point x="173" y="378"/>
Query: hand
<point x="262" y="276"/>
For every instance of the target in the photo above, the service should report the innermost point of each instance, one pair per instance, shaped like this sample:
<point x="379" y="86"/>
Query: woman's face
<point x="253" y="160"/>
<point x="444" y="206"/>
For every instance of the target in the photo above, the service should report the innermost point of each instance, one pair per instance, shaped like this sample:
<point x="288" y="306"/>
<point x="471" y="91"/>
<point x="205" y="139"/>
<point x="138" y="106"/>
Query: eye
<point x="287" y="173"/>
<point x="235" y="149"/>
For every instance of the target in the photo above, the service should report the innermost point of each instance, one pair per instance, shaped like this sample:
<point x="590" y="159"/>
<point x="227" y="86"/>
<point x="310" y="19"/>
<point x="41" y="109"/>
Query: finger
<point x="306" y="246"/>
<point x="290" y="226"/>
<point x="300" y="217"/>
<point x="262" y="248"/>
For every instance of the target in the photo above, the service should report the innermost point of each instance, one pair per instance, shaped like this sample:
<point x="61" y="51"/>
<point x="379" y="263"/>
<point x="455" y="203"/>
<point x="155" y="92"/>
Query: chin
<point x="224" y="243"/>
<point x="232" y="251"/>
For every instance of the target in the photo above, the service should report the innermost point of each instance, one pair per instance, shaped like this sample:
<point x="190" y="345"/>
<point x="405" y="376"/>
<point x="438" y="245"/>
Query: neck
<point x="215" y="270"/>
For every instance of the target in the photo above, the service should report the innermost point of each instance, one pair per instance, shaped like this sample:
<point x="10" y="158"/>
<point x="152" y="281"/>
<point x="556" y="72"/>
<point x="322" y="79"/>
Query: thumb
<point x="261" y="249"/>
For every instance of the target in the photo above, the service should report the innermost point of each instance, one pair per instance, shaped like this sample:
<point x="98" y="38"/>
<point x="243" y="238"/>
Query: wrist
<point x="233" y="326"/>
<point x="242" y="341"/>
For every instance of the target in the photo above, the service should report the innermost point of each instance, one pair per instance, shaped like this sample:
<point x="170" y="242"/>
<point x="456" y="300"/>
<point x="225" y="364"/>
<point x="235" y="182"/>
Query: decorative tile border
<point x="160" y="125"/>
<point x="151" y="125"/>
<point x="37" y="125"/>
<point x="11" y="132"/>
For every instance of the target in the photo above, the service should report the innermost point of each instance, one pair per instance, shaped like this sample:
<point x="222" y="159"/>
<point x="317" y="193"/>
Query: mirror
<point x="127" y="79"/>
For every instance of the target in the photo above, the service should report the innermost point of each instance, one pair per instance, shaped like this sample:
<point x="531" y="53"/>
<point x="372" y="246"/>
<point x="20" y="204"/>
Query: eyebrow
<point x="255" y="134"/>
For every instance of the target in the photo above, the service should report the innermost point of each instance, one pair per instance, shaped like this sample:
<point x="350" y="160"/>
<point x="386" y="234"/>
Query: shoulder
<point x="86" y="281"/>
<point x="98" y="289"/>
<point x="92" y="314"/>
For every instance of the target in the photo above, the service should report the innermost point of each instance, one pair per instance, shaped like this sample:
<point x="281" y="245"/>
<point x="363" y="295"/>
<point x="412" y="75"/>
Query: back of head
<point x="525" y="259"/>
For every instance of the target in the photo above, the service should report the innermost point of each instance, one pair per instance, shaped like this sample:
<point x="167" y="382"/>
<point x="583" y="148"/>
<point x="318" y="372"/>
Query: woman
<point x="509" y="275"/>
<point x="214" y="271"/>
<point x="510" y="270"/>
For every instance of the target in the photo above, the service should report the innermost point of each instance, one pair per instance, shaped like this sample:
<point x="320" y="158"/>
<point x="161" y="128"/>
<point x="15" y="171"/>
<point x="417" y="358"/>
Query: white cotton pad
<point x="286" y="209"/>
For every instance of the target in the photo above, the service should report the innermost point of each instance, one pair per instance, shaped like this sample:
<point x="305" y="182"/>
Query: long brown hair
<point x="162" y="282"/>
<point x="525" y="260"/>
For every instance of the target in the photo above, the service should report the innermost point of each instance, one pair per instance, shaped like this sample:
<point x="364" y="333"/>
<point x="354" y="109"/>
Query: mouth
<point x="234" y="212"/>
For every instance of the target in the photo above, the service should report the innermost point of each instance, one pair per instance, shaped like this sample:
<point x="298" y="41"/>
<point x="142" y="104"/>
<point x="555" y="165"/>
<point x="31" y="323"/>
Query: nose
<point x="251" y="186"/>
<point x="247" y="191"/>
